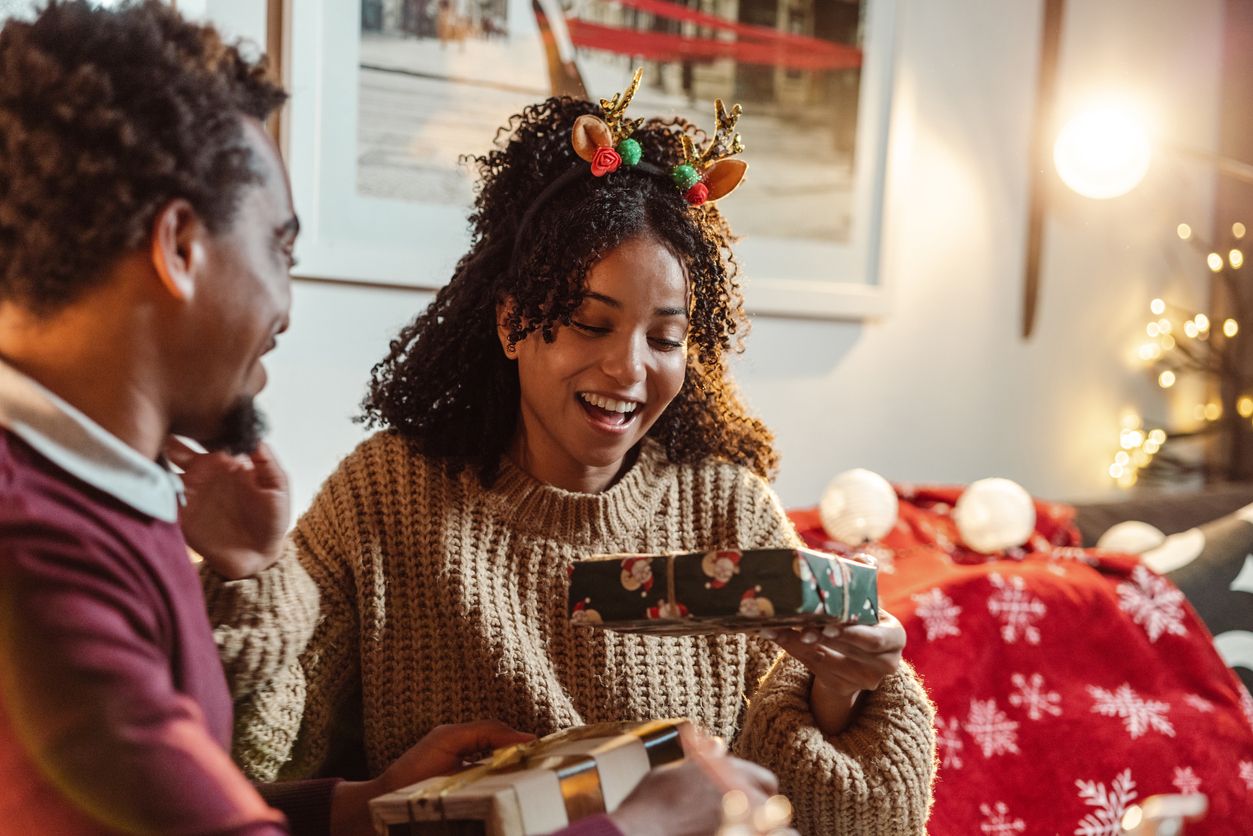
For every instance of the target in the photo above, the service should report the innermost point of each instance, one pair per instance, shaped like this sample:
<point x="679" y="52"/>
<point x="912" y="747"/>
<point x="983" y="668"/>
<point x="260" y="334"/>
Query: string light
<point x="1202" y="322"/>
<point x="1149" y="352"/>
<point x="1166" y="379"/>
<point x="1184" y="232"/>
<point x="1190" y="330"/>
<point x="1244" y="406"/>
<point x="1236" y="259"/>
<point x="1213" y="411"/>
<point x="1237" y="230"/>
<point x="1137" y="450"/>
<point x="1230" y="327"/>
<point x="1157" y="307"/>
<point x="1152" y="329"/>
<point x="1215" y="262"/>
<point x="1167" y="342"/>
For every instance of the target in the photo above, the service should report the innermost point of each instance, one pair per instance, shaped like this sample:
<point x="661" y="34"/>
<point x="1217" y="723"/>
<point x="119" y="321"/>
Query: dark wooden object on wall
<point x="1040" y="157"/>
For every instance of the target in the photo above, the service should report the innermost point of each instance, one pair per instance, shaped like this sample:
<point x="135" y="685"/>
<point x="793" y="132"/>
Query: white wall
<point x="943" y="389"/>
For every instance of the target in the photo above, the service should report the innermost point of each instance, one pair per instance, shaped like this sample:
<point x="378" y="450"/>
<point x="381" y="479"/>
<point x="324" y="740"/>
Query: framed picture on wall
<point x="388" y="96"/>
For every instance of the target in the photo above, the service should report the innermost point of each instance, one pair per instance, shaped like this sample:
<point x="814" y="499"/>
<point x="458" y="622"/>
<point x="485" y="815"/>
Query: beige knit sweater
<point x="444" y="602"/>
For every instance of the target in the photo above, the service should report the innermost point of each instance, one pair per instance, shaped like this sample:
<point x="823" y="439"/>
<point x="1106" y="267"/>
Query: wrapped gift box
<point x="534" y="788"/>
<point x="710" y="592"/>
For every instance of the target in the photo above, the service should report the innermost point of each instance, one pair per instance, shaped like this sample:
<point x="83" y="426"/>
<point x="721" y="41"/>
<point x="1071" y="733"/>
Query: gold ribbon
<point x="577" y="774"/>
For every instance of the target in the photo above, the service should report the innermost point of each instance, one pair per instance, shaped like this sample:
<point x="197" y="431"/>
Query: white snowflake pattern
<point x="995" y="733"/>
<point x="1017" y="609"/>
<point x="997" y="820"/>
<point x="1152" y="602"/>
<point x="1138" y="714"/>
<point x="1246" y="774"/>
<point x="1246" y="705"/>
<point x="1199" y="703"/>
<point x="1110" y="805"/>
<point x="1186" y="781"/>
<point x="938" y="613"/>
<point x="1032" y="696"/>
<point x="949" y="741"/>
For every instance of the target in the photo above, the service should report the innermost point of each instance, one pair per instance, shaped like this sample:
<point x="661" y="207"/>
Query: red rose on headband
<point x="697" y="195"/>
<point x="605" y="161"/>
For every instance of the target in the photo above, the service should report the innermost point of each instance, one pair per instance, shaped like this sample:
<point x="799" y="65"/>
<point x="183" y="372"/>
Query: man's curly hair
<point x="446" y="385"/>
<point x="106" y="116"/>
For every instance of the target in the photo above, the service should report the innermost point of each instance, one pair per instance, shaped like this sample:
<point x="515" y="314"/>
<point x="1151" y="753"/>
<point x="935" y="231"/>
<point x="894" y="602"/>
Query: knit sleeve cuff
<point x="307" y="804"/>
<point x="261" y="624"/>
<point x="873" y="777"/>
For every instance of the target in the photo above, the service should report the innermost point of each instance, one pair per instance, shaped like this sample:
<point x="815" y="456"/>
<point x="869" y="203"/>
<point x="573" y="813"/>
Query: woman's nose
<point x="624" y="359"/>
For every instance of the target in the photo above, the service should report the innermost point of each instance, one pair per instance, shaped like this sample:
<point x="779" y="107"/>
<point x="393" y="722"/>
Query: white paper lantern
<point x="1131" y="537"/>
<point x="858" y="506"/>
<point x="993" y="515"/>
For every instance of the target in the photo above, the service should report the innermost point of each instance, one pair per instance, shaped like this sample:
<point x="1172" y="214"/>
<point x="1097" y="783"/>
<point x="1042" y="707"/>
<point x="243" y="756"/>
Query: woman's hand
<point x="444" y="750"/>
<point x="845" y="661"/>
<point x="238" y="508"/>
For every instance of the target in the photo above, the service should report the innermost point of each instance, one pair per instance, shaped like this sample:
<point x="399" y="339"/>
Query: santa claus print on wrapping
<point x="720" y="567"/>
<point x="665" y="609"/>
<point x="637" y="573"/>
<point x="583" y="614"/>
<point x="753" y="605"/>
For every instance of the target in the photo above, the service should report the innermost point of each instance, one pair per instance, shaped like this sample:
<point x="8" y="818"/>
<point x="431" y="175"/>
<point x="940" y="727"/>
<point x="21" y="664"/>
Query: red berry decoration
<point x="697" y="195"/>
<point x="606" y="160"/>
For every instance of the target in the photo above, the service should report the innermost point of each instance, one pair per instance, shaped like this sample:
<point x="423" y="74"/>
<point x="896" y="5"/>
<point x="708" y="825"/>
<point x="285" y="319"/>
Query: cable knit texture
<point x="444" y="602"/>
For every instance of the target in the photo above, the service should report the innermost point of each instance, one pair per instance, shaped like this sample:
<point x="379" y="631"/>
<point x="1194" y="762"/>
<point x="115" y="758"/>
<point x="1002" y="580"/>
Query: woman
<point x="566" y="394"/>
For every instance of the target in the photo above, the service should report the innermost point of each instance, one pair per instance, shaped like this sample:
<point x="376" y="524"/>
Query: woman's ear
<point x="178" y="248"/>
<point x="724" y="176"/>
<point x="504" y="310"/>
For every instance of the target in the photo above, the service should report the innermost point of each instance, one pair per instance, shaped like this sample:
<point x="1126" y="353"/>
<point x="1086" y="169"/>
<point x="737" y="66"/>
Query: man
<point x="146" y="234"/>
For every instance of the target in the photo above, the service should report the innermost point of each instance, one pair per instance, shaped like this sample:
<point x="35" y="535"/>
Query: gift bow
<point x="579" y="777"/>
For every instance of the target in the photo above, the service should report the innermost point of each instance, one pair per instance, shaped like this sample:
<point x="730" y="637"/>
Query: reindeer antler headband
<point x="705" y="173"/>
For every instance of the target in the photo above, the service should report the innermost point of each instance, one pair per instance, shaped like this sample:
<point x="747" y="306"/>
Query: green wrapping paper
<point x="714" y="592"/>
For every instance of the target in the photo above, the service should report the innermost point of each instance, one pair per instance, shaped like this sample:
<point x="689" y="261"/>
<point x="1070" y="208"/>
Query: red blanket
<point x="1070" y="683"/>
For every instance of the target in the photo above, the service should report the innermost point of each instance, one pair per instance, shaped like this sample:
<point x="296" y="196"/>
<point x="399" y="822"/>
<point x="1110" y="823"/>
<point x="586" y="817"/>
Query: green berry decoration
<point x="684" y="176"/>
<point x="630" y="151"/>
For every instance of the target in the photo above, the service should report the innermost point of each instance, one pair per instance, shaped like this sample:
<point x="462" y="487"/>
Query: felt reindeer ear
<point x="589" y="134"/>
<point x="724" y="176"/>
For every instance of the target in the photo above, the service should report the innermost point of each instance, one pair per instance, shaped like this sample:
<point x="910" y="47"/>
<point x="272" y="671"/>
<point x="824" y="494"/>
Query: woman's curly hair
<point x="105" y="116"/>
<point x="445" y="383"/>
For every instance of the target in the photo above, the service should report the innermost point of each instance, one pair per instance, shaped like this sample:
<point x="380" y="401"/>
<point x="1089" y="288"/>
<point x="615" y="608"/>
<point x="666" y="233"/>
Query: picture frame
<point x="352" y="236"/>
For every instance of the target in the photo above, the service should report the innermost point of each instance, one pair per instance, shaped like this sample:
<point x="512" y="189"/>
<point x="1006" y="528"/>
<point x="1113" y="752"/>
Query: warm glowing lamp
<point x="1103" y="152"/>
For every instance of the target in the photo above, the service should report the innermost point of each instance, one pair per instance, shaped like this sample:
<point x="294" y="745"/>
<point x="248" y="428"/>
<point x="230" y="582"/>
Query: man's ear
<point x="178" y="248"/>
<point x="504" y="309"/>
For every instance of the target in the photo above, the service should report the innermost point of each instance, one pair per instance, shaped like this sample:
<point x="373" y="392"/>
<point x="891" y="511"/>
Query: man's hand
<point x="444" y="750"/>
<point x="238" y="508"/>
<point x="685" y="799"/>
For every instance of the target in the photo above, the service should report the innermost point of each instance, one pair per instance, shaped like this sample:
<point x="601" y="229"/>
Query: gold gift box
<point x="536" y="787"/>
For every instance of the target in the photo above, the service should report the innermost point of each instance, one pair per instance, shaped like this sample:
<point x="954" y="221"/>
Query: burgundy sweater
<point x="114" y="710"/>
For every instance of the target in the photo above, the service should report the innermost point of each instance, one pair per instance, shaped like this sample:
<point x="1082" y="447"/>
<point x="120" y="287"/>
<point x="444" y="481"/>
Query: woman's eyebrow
<point x="615" y="304"/>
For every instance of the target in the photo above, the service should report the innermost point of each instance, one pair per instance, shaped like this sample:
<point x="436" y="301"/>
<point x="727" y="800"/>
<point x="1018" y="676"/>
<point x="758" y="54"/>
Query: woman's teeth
<point x="609" y="404"/>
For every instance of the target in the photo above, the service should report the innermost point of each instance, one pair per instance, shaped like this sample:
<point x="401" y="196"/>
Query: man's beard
<point x="240" y="430"/>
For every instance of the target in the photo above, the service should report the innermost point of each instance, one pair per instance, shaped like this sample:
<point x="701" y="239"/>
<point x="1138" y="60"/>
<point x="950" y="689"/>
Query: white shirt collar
<point x="84" y="449"/>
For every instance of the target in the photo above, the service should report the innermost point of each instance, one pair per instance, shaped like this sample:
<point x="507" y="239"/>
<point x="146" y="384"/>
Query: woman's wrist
<point x="350" y="807"/>
<point x="832" y="705"/>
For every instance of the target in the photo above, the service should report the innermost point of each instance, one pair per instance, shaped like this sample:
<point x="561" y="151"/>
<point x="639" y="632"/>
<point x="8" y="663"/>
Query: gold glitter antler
<point x="615" y="109"/>
<point x="726" y="141"/>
